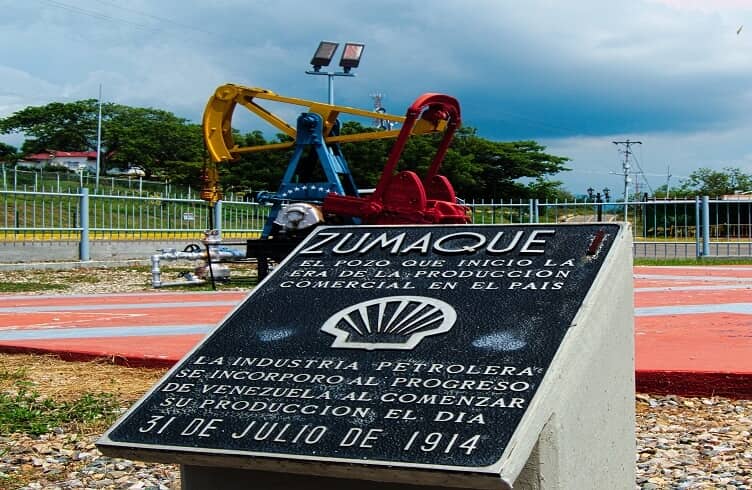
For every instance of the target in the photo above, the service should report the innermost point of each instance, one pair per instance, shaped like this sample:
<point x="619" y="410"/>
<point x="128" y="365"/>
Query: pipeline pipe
<point x="181" y="283"/>
<point x="215" y="254"/>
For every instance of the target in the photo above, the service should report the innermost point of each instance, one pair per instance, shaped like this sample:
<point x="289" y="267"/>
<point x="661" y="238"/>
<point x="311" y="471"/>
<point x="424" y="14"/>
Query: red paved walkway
<point x="693" y="330"/>
<point x="144" y="329"/>
<point x="693" y="327"/>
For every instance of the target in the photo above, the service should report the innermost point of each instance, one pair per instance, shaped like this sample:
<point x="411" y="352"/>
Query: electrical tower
<point x="626" y="165"/>
<point x="379" y="107"/>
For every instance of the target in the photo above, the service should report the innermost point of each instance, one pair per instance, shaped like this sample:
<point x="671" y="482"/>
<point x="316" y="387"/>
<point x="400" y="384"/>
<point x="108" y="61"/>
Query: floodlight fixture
<point x="324" y="54"/>
<point x="351" y="56"/>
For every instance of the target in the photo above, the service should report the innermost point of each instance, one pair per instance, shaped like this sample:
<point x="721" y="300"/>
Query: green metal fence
<point x="699" y="227"/>
<point x="33" y="216"/>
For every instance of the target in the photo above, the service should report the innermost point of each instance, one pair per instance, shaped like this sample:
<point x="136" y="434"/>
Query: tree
<point x="255" y="171"/>
<point x="151" y="138"/>
<point x="8" y="153"/>
<point x="505" y="165"/>
<point x="366" y="159"/>
<point x="476" y="166"/>
<point x="171" y="147"/>
<point x="62" y="126"/>
<point x="664" y="191"/>
<point x="707" y="182"/>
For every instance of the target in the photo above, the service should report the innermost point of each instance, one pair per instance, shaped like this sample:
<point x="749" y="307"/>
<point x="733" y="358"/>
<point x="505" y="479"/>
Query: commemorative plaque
<point x="397" y="349"/>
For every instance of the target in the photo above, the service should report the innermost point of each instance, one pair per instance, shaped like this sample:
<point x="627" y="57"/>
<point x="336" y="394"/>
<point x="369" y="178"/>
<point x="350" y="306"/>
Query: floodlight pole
<point x="99" y="138"/>
<point x="330" y="75"/>
<point x="330" y="99"/>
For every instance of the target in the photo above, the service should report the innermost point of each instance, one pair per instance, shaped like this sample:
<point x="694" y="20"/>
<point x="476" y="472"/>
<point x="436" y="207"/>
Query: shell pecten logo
<point x="393" y="322"/>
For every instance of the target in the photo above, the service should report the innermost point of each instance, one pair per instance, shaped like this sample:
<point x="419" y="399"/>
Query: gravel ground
<point x="682" y="443"/>
<point x="70" y="461"/>
<point x="693" y="443"/>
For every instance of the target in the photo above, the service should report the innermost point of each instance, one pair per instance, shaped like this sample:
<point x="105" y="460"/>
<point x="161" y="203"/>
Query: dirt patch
<point x="75" y="281"/>
<point x="54" y="378"/>
<point x="102" y="280"/>
<point x="35" y="390"/>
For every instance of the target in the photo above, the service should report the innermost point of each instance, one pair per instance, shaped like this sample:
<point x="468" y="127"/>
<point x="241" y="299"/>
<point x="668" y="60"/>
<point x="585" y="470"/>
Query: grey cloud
<point x="555" y="71"/>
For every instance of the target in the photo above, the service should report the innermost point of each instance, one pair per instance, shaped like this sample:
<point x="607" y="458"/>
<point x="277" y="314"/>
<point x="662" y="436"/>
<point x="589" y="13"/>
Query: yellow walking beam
<point x="217" y="121"/>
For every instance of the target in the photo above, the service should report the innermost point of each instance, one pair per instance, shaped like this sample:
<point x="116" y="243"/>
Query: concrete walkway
<point x="693" y="327"/>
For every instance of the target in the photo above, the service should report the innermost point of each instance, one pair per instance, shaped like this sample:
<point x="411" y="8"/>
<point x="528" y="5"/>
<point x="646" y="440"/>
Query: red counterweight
<point x="402" y="197"/>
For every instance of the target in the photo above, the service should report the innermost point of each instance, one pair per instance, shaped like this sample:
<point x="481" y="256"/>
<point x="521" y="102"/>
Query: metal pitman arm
<point x="403" y="197"/>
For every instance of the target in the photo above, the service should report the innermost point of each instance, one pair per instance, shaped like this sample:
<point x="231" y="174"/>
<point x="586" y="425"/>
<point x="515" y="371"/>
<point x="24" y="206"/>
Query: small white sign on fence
<point x="188" y="217"/>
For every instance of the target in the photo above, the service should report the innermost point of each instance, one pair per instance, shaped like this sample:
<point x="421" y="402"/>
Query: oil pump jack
<point x="304" y="199"/>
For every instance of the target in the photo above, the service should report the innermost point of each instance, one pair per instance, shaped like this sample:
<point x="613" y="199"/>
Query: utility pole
<point x="99" y="139"/>
<point x="668" y="181"/>
<point x="626" y="165"/>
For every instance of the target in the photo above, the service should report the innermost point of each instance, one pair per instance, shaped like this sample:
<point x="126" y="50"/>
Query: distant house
<point x="738" y="196"/>
<point x="75" y="161"/>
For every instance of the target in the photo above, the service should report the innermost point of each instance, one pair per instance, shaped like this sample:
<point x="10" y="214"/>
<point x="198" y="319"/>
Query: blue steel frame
<point x="339" y="179"/>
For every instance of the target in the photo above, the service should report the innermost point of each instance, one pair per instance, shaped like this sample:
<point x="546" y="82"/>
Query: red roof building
<point x="75" y="161"/>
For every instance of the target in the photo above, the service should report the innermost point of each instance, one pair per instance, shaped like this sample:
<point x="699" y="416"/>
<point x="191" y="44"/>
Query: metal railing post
<point x="705" y="226"/>
<point x="83" y="219"/>
<point x="531" y="210"/>
<point x="218" y="217"/>
<point x="698" y="228"/>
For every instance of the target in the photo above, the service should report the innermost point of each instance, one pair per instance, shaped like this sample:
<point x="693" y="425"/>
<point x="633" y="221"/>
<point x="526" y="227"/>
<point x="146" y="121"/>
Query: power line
<point x="158" y="18"/>
<point x="643" y="175"/>
<point x="96" y="15"/>
<point x="140" y="25"/>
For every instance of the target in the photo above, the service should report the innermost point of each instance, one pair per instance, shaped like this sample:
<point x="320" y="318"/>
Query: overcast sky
<point x="574" y="75"/>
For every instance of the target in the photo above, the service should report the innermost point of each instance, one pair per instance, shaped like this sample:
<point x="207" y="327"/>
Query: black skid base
<point x="269" y="250"/>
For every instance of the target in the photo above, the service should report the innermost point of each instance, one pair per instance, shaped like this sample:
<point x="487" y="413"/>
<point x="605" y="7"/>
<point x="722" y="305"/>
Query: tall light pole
<point x="99" y="137"/>
<point x="351" y="55"/>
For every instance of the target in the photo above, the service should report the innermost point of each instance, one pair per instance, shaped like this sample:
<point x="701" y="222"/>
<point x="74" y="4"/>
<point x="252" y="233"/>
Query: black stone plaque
<point x="418" y="346"/>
